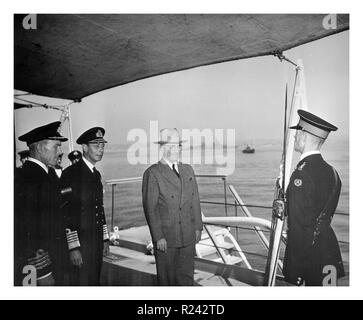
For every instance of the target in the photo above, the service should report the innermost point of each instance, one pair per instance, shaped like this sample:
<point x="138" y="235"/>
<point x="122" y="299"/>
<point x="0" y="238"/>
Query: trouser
<point x="90" y="272"/>
<point x="60" y="261"/>
<point x="88" y="275"/>
<point x="175" y="267"/>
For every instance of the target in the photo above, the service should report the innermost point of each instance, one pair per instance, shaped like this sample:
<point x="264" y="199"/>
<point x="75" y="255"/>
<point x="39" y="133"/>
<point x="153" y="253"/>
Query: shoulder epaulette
<point x="300" y="167"/>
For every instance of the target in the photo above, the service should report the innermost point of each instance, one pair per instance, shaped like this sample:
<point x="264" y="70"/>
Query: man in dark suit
<point x="312" y="255"/>
<point x="86" y="228"/>
<point x="172" y="209"/>
<point x="40" y="240"/>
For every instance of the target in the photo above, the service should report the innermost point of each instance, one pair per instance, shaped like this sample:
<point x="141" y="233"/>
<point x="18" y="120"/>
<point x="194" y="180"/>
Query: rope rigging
<point x="32" y="104"/>
<point x="281" y="57"/>
<point x="64" y="109"/>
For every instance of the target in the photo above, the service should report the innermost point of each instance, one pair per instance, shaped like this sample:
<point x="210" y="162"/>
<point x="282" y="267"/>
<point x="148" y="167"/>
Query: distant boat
<point x="248" y="149"/>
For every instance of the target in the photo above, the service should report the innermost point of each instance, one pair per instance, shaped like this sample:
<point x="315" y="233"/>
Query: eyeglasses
<point x="97" y="145"/>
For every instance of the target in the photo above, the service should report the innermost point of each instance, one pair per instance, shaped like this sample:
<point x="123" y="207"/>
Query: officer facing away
<point x="312" y="252"/>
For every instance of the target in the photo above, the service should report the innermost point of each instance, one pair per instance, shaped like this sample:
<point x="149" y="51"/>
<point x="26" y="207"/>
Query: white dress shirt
<point x="39" y="163"/>
<point x="89" y="164"/>
<point x="171" y="165"/>
<point x="309" y="153"/>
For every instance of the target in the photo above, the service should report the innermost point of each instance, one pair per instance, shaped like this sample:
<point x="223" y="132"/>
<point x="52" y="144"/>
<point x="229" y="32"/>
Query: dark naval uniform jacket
<point x="171" y="204"/>
<point x="312" y="197"/>
<point x="85" y="220"/>
<point x="39" y="225"/>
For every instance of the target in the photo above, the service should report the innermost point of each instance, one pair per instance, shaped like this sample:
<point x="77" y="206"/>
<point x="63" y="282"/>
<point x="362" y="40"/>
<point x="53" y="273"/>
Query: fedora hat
<point x="169" y="136"/>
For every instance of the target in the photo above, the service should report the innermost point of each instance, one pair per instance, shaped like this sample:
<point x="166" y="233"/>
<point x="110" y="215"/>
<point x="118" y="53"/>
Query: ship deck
<point x="129" y="264"/>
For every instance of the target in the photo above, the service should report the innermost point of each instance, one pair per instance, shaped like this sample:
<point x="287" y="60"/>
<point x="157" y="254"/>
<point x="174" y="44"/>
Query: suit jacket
<point x="39" y="225"/>
<point x="311" y="242"/>
<point x="84" y="212"/>
<point x="171" y="204"/>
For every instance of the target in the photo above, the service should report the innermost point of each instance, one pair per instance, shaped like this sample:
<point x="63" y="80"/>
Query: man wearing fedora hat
<point x="40" y="240"/>
<point x="172" y="209"/>
<point x="86" y="228"/>
<point x="312" y="256"/>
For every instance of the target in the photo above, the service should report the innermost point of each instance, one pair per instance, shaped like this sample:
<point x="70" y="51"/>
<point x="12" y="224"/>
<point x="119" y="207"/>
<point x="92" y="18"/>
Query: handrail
<point x="343" y="214"/>
<point x="248" y="214"/>
<point x="238" y="221"/>
<point x="136" y="179"/>
<point x="222" y="176"/>
<point x="214" y="241"/>
<point x="234" y="204"/>
<point x="257" y="229"/>
<point x="115" y="182"/>
<point x="123" y="180"/>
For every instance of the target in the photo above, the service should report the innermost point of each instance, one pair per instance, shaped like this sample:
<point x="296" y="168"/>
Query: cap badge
<point x="298" y="182"/>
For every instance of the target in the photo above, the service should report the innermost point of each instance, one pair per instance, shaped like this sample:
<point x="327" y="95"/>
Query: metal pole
<point x="225" y="195"/>
<point x="258" y="230"/>
<point x="113" y="206"/>
<point x="214" y="241"/>
<point x="235" y="214"/>
<point x="70" y="129"/>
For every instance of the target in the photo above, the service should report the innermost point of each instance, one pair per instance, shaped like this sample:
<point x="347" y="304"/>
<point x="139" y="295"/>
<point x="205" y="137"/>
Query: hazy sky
<point x="245" y="95"/>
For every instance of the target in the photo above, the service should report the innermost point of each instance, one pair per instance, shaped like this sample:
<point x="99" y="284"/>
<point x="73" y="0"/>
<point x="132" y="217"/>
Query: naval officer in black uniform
<point x="74" y="156"/>
<point x="39" y="231"/>
<point x="312" y="255"/>
<point x="86" y="228"/>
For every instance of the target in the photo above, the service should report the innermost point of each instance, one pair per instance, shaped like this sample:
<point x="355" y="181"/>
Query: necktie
<point x="175" y="171"/>
<point x="52" y="174"/>
<point x="96" y="173"/>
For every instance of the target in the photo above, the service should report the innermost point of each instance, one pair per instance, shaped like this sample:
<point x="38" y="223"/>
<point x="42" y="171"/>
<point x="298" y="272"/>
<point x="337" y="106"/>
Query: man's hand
<point x="161" y="245"/>
<point x="76" y="258"/>
<point x="198" y="235"/>
<point x="106" y="248"/>
<point x="46" y="282"/>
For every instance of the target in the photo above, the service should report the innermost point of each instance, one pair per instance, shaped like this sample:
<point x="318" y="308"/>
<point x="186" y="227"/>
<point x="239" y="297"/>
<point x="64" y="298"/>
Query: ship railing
<point x="247" y="223"/>
<point x="258" y="225"/>
<point x="115" y="182"/>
